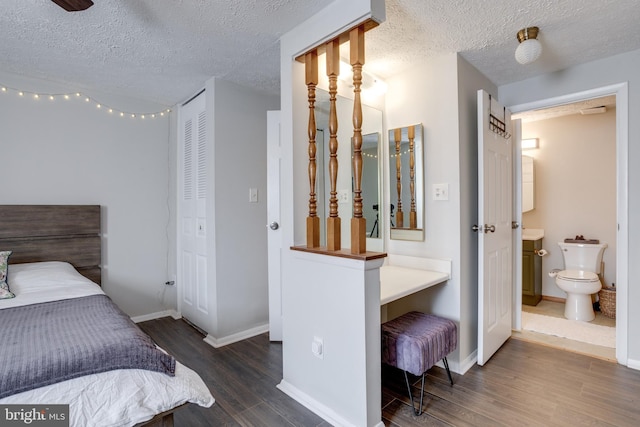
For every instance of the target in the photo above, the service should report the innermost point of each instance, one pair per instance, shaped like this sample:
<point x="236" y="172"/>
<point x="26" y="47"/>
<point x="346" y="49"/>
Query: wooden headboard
<point x="68" y="233"/>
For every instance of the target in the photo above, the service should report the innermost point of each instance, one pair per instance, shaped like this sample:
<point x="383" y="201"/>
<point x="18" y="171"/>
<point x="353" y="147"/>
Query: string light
<point x="87" y="99"/>
<point x="402" y="153"/>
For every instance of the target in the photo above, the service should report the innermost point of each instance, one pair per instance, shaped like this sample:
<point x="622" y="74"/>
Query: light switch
<point x="440" y="191"/>
<point x="253" y="195"/>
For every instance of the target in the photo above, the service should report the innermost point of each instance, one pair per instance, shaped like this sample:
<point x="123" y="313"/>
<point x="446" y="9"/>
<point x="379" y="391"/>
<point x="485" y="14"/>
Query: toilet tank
<point x="579" y="256"/>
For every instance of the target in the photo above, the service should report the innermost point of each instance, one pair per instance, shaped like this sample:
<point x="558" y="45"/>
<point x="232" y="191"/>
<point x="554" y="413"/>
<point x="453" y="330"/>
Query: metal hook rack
<point x="497" y="125"/>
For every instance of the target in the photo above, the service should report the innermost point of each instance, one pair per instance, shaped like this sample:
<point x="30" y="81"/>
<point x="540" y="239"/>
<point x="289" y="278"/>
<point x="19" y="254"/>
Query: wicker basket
<point x="608" y="301"/>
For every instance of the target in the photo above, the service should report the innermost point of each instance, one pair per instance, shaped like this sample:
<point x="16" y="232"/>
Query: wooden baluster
<point x="358" y="222"/>
<point x="313" y="222"/>
<point x="397" y="137"/>
<point x="413" y="217"/>
<point x="333" y="70"/>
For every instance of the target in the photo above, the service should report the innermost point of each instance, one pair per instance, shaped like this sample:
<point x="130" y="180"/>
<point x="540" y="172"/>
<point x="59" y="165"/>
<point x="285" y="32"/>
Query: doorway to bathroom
<point x="579" y="159"/>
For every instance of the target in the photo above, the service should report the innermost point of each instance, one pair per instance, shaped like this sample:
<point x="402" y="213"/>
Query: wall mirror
<point x="372" y="209"/>
<point x="406" y="183"/>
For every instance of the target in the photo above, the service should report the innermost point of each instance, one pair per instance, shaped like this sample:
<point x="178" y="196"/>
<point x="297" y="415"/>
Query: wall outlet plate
<point x="253" y="195"/>
<point x="317" y="347"/>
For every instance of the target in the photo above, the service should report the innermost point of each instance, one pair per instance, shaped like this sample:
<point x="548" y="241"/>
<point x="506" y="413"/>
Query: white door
<point x="495" y="244"/>
<point x="274" y="155"/>
<point x="192" y="225"/>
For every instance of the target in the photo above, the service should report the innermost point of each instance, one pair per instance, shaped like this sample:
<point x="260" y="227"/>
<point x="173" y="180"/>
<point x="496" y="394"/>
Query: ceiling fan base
<point x="73" y="5"/>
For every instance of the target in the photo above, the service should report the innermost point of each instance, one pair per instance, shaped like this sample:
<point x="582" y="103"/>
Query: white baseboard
<point x="323" y="411"/>
<point x="468" y="363"/>
<point x="230" y="339"/>
<point x="156" y="315"/>
<point x="461" y="367"/>
<point x="633" y="364"/>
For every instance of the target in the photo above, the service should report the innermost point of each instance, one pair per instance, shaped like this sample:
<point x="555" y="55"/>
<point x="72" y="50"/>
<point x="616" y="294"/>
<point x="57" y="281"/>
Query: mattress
<point x="114" y="398"/>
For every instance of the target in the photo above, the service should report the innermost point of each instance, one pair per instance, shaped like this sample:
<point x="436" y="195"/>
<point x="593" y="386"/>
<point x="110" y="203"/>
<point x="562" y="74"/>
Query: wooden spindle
<point x="311" y="77"/>
<point x="397" y="137"/>
<point x="333" y="221"/>
<point x="358" y="222"/>
<point x="413" y="217"/>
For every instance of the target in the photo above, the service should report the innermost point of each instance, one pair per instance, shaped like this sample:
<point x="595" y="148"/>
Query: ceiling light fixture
<point x="529" y="48"/>
<point x="594" y="110"/>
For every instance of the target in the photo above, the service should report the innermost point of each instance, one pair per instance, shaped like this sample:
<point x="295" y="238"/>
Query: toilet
<point x="579" y="279"/>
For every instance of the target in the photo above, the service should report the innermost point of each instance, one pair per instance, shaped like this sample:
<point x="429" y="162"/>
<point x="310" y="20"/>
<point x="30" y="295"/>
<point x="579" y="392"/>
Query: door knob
<point x="274" y="225"/>
<point x="476" y="228"/>
<point x="489" y="228"/>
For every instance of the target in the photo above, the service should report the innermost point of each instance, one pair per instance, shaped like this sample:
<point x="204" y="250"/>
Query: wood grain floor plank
<point x="262" y="415"/>
<point x="241" y="376"/>
<point x="523" y="384"/>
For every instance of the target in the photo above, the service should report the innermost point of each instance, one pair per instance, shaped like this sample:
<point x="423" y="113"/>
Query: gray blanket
<point x="46" y="343"/>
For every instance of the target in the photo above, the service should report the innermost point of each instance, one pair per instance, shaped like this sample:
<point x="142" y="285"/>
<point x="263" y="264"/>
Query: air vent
<point x="188" y="161"/>
<point x="202" y="156"/>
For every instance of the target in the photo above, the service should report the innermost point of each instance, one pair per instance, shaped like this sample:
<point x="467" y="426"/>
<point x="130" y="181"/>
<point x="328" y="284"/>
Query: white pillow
<point x="40" y="282"/>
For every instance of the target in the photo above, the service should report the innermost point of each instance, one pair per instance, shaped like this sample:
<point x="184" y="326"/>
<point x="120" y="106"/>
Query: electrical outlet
<point x="343" y="196"/>
<point x="317" y="347"/>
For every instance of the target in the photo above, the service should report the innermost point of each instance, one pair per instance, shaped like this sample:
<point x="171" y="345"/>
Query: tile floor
<point x="556" y="309"/>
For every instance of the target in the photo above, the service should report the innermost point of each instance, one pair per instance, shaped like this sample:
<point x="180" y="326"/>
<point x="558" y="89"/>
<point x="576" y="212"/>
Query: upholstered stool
<point x="414" y="342"/>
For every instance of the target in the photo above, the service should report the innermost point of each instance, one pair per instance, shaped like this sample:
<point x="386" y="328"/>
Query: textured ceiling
<point x="164" y="50"/>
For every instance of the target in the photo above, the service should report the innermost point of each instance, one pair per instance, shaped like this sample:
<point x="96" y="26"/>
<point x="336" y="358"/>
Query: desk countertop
<point x="397" y="282"/>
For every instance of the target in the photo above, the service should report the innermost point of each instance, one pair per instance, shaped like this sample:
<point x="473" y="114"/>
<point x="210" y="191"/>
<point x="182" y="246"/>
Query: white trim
<point x="323" y="411"/>
<point x="156" y="315"/>
<point x="239" y="336"/>
<point x="621" y="91"/>
<point x="633" y="364"/>
<point x="466" y="364"/>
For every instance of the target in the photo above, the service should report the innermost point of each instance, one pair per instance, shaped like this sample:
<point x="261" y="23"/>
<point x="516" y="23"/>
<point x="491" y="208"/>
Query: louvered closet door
<point x="192" y="248"/>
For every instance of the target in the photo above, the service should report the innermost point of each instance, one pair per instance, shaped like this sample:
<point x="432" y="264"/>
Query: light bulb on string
<point x="87" y="99"/>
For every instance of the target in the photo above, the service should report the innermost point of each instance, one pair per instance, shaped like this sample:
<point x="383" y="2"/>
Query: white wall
<point x="309" y="286"/>
<point x="238" y="118"/>
<point x="609" y="71"/>
<point x="71" y="152"/>
<point x="575" y="187"/>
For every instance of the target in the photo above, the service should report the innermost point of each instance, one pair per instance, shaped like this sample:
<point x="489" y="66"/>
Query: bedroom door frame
<point x="274" y="236"/>
<point x="191" y="224"/>
<point x="621" y="92"/>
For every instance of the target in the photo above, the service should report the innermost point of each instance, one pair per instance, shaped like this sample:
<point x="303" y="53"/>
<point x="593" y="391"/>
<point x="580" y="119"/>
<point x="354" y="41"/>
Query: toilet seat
<point x="578" y="276"/>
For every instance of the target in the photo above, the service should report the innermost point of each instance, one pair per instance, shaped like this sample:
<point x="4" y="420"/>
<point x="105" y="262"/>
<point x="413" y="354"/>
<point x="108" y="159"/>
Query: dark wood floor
<point x="524" y="384"/>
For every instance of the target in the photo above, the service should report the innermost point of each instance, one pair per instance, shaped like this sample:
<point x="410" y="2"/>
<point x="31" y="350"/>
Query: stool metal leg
<point x="415" y="411"/>
<point x="446" y="365"/>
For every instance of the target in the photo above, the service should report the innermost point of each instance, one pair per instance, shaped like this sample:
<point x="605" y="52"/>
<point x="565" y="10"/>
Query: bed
<point x="54" y="273"/>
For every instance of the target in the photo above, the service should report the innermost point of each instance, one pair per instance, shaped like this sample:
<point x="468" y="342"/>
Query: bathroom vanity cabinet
<point x="531" y="272"/>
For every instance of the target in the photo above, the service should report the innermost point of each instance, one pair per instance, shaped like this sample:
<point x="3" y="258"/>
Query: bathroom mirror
<point x="406" y="183"/>
<point x="371" y="171"/>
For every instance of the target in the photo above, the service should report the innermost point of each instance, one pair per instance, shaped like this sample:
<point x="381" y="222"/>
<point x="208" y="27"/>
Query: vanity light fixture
<point x="529" y="48"/>
<point x="529" y="144"/>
